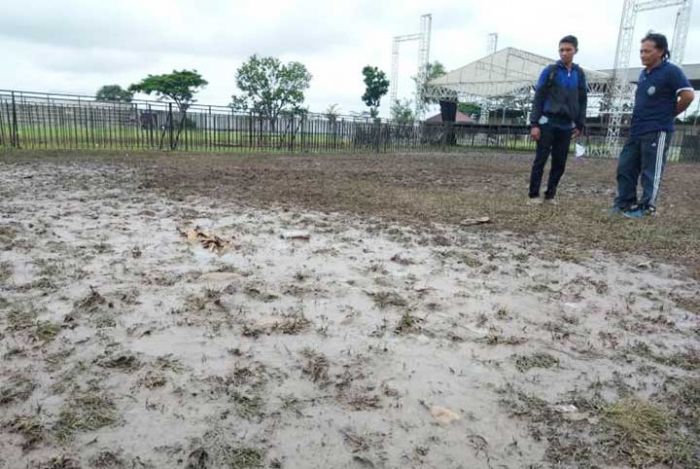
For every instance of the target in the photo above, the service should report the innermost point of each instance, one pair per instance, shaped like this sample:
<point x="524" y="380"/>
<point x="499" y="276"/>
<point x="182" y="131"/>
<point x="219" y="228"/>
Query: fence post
<point x="170" y="126"/>
<point x="14" y="138"/>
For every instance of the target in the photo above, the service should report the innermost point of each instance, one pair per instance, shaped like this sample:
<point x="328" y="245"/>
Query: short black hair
<point x="660" y="42"/>
<point x="570" y="40"/>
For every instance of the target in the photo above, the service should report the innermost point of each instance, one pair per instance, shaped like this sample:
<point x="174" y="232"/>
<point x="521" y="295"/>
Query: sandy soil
<point x="143" y="327"/>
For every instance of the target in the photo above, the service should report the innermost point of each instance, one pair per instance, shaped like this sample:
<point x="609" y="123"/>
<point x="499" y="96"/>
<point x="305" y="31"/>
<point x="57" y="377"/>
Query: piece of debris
<point x="210" y="242"/>
<point x="566" y="408"/>
<point x="443" y="415"/>
<point x="299" y="234"/>
<point x="475" y="221"/>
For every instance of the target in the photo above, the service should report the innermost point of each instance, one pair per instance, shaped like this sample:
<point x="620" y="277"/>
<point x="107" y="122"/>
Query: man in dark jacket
<point x="558" y="113"/>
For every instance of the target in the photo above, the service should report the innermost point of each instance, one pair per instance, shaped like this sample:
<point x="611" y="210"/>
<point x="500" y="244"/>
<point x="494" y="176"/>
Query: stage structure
<point x="504" y="80"/>
<point x="621" y="90"/>
<point x="423" y="38"/>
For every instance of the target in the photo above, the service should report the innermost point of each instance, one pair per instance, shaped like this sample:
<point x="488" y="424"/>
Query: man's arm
<point x="540" y="95"/>
<point x="685" y="97"/>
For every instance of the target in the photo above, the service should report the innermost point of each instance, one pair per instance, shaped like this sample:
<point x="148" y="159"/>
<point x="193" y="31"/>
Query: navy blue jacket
<point x="563" y="99"/>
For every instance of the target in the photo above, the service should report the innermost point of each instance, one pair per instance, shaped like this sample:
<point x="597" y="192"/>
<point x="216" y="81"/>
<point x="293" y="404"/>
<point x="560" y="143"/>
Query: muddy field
<point x="213" y="311"/>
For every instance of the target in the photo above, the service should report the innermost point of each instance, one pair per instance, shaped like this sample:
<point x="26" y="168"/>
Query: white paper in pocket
<point x="580" y="150"/>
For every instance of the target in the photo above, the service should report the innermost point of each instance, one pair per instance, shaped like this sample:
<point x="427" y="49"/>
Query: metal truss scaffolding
<point x="621" y="91"/>
<point x="423" y="38"/>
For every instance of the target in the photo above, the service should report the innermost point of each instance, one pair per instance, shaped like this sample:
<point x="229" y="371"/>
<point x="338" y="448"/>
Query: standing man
<point x="663" y="92"/>
<point x="558" y="113"/>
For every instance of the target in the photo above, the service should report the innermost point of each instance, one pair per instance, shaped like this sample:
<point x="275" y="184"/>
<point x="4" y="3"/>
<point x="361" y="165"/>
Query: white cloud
<point x="79" y="45"/>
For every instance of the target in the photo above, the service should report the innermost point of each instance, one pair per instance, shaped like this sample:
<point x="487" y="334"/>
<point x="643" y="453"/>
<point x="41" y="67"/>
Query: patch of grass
<point x="387" y="298"/>
<point x="689" y="303"/>
<point x="642" y="433"/>
<point x="17" y="388"/>
<point x="102" y="321"/>
<point x="248" y="405"/>
<point x="538" y="360"/>
<point x="167" y="362"/>
<point x="152" y="379"/>
<point x="122" y="361"/>
<point x="377" y="268"/>
<point x="244" y="457"/>
<point x="18" y="320"/>
<point x="292" y="324"/>
<point x="46" y="331"/>
<point x="501" y="313"/>
<point x="361" y="401"/>
<point x="521" y="257"/>
<point x="29" y="427"/>
<point x="59" y="462"/>
<point x="56" y="360"/>
<point x="315" y="365"/>
<point x="7" y="234"/>
<point x="497" y="339"/>
<point x="106" y="459"/>
<point x="255" y="293"/>
<point x="408" y="324"/>
<point x="49" y="267"/>
<point x="5" y="271"/>
<point x="686" y="360"/>
<point x="91" y="302"/>
<point x="84" y="411"/>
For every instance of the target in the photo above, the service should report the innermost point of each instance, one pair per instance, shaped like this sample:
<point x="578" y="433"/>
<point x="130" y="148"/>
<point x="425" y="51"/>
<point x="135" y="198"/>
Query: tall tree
<point x="376" y="86"/>
<point x="470" y="109"/>
<point x="332" y="112"/>
<point x="402" y="112"/>
<point x="178" y="86"/>
<point x="114" y="93"/>
<point x="270" y="87"/>
<point x="434" y="70"/>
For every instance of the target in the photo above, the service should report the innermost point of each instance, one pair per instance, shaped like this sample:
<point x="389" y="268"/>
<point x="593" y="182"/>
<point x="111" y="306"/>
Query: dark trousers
<point x="554" y="141"/>
<point x="643" y="156"/>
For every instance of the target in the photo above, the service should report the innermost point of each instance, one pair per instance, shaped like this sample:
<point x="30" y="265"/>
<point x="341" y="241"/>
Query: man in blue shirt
<point x="663" y="92"/>
<point x="558" y="113"/>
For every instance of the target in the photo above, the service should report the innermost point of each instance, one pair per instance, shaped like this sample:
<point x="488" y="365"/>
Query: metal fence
<point x="54" y="121"/>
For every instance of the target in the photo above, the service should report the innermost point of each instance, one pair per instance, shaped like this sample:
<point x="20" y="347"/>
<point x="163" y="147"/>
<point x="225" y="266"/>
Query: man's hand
<point x="576" y="133"/>
<point x="535" y="134"/>
<point x="684" y="99"/>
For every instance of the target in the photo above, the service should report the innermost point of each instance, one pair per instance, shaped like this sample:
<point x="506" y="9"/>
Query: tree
<point x="433" y="70"/>
<point x="377" y="86"/>
<point x="469" y="109"/>
<point x="114" y="93"/>
<point x="179" y="86"/>
<point x="270" y="87"/>
<point x="332" y="112"/>
<point x="402" y="112"/>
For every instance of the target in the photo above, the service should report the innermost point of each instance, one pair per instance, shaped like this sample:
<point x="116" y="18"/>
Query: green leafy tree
<point x="332" y="112"/>
<point x="376" y="86"/>
<point x="271" y="88"/>
<point x="434" y="70"/>
<point x="114" y="93"/>
<point x="402" y="112"/>
<point x="178" y="86"/>
<point x="469" y="109"/>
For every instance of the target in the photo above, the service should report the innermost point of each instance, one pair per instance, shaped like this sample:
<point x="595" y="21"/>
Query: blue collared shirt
<point x="656" y="97"/>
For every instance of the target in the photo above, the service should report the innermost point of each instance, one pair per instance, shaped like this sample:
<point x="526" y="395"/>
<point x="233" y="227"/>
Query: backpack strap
<point x="551" y="76"/>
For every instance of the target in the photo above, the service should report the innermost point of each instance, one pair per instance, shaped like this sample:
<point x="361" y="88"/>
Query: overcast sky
<point x="76" y="46"/>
